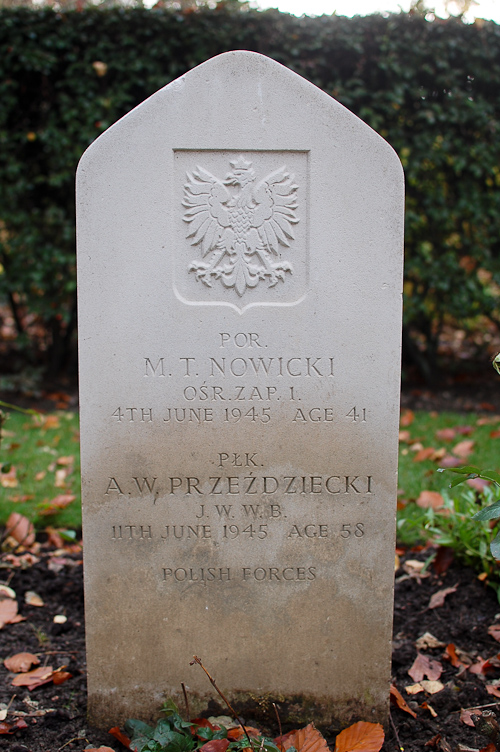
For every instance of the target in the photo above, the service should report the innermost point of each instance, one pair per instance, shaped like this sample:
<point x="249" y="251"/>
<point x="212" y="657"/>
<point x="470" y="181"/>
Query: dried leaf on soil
<point x="21" y="662"/>
<point x="33" y="599"/>
<point x="236" y="732"/>
<point x="9" y="728"/>
<point x="307" y="739"/>
<point x="360" y="737"/>
<point x="438" y="598"/>
<point x="430" y="499"/>
<point x="20" y="528"/>
<point x="427" y="640"/>
<point x="115" y="731"/>
<point x="8" y="612"/>
<point x="426" y="706"/>
<point x="494" y="631"/>
<point x="215" y="745"/>
<point x="35" y="678"/>
<point x="425" y="666"/>
<point x="60" y="676"/>
<point x="492" y="689"/>
<point x="465" y="716"/>
<point x="456" y="656"/>
<point x="431" y="687"/>
<point x="398" y="700"/>
<point x="443" y="560"/>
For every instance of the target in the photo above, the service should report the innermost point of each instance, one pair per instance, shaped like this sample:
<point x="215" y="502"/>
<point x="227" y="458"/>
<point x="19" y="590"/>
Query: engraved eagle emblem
<point x="239" y="225"/>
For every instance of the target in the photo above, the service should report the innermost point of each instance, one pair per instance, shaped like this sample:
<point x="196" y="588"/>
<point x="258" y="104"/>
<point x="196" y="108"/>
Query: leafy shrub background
<point x="429" y="87"/>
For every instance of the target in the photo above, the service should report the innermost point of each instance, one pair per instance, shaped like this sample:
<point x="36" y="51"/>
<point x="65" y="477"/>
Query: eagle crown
<point x="242" y="173"/>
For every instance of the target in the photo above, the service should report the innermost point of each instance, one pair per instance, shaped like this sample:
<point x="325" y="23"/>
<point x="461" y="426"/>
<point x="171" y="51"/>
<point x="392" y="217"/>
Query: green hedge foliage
<point x="431" y="88"/>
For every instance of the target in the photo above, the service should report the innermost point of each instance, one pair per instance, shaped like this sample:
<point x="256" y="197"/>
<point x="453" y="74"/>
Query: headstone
<point x="240" y="276"/>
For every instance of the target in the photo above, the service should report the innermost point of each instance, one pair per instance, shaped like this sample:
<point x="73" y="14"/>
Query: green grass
<point x="415" y="477"/>
<point x="36" y="447"/>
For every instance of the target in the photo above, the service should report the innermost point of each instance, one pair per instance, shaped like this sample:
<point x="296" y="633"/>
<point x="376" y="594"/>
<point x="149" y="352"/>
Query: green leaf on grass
<point x="488" y="513"/>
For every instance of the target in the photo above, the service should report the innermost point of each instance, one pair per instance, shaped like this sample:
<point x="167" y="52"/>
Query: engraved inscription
<point x="240" y="224"/>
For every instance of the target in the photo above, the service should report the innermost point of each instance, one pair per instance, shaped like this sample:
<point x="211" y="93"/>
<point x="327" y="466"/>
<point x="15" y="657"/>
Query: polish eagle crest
<point x="239" y="225"/>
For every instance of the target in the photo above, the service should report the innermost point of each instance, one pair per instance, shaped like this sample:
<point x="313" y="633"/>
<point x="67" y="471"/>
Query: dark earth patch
<point x="56" y="715"/>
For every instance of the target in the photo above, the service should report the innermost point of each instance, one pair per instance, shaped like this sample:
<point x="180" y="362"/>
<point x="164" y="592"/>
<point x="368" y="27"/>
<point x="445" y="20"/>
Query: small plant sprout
<point x="469" y="472"/>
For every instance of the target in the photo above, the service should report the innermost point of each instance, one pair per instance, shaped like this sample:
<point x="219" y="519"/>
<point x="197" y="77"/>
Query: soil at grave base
<point x="56" y="715"/>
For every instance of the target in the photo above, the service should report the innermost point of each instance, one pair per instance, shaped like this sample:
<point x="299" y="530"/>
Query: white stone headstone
<point x="240" y="241"/>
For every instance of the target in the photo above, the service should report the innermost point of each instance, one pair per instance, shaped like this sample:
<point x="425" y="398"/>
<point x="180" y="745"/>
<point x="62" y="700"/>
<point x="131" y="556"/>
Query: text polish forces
<point x="203" y="575"/>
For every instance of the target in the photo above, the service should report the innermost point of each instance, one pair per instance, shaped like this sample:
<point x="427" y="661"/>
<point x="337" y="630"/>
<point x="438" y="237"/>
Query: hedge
<point x="429" y="87"/>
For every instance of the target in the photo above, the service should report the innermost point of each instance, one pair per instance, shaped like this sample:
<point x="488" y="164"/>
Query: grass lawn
<point x="41" y="456"/>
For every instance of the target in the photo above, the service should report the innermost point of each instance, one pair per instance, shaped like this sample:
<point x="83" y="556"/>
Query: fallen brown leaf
<point x="465" y="716"/>
<point x="8" y="612"/>
<point x="35" y="678"/>
<point x="66" y="460"/>
<point x="9" y="480"/>
<point x="425" y="685"/>
<point x="405" y="437"/>
<point x="430" y="499"/>
<point x="20" y="662"/>
<point x="425" y="666"/>
<point x="115" y="731"/>
<point x="398" y="700"/>
<point x="426" y="706"/>
<point x="482" y="667"/>
<point x="360" y="737"/>
<point x="414" y="689"/>
<point x="457" y="657"/>
<point x="33" y="599"/>
<point x="9" y="728"/>
<point x="407" y="418"/>
<point x="478" y="484"/>
<point x="450" y="461"/>
<point x="427" y="640"/>
<point x="50" y="421"/>
<point x="438" y="598"/>
<point x="215" y="745"/>
<point x="464" y="430"/>
<point x="443" y="560"/>
<point x="494" y="631"/>
<point x="60" y="676"/>
<point x="237" y="732"/>
<point x="307" y="739"/>
<point x="20" y="528"/>
<point x="59" y="502"/>
<point x="445" y="434"/>
<point x="492" y="689"/>
<point x="464" y="448"/>
<point x="424" y="454"/>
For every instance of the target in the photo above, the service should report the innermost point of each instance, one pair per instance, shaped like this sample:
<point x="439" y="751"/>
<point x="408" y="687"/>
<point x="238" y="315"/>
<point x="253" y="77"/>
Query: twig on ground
<point x="279" y="725"/>
<point x="188" y="713"/>
<point x="398" y="740"/>
<point x="214" y="685"/>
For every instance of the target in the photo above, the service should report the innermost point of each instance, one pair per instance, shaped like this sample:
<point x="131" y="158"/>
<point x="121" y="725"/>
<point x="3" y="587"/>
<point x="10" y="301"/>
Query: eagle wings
<point x="239" y="225"/>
